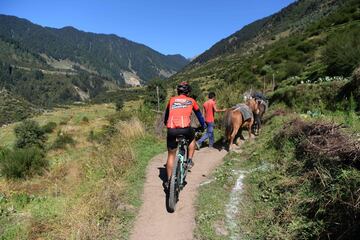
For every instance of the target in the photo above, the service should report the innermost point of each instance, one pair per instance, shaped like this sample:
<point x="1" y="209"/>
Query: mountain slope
<point x="292" y="18"/>
<point x="13" y="108"/>
<point x="321" y="48"/>
<point x="105" y="55"/>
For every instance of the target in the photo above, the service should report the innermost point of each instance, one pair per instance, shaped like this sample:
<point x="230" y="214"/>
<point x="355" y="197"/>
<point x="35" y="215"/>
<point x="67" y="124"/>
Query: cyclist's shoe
<point x="197" y="146"/>
<point x="166" y="185"/>
<point x="190" y="164"/>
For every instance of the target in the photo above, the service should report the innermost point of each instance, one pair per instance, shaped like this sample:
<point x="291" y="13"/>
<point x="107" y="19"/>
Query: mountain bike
<point x="180" y="169"/>
<point x="177" y="181"/>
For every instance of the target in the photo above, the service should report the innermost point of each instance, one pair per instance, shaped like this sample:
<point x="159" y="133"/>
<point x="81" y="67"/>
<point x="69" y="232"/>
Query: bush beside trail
<point x="28" y="156"/>
<point x="312" y="189"/>
<point x="29" y="134"/>
<point x="326" y="174"/>
<point x="22" y="163"/>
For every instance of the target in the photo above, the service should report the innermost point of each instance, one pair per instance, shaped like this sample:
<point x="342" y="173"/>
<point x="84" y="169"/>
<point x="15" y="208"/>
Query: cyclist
<point x="177" y="121"/>
<point x="209" y="112"/>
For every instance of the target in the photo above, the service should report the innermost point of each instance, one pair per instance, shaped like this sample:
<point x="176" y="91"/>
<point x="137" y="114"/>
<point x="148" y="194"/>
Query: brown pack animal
<point x="263" y="106"/>
<point x="239" y="116"/>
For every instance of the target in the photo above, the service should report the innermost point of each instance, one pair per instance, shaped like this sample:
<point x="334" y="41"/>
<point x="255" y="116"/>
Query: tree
<point x="119" y="104"/>
<point x="155" y="90"/>
<point x="342" y="53"/>
<point x="29" y="134"/>
<point x="196" y="92"/>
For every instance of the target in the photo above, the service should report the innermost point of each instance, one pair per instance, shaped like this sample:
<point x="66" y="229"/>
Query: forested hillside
<point x="107" y="55"/>
<point x="47" y="66"/>
<point x="293" y="18"/>
<point x="14" y="108"/>
<point x="326" y="51"/>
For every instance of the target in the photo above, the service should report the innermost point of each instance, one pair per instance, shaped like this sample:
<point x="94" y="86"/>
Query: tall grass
<point x="102" y="212"/>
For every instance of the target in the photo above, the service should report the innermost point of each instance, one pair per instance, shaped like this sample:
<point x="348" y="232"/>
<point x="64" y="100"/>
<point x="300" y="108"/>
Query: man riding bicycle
<point x="177" y="121"/>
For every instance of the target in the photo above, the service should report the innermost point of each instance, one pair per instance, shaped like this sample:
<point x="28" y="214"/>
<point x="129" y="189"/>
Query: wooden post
<point x="273" y="82"/>
<point x="264" y="85"/>
<point x="158" y="98"/>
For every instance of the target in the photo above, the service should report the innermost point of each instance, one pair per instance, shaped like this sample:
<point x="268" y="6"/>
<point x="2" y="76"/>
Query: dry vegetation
<point x="85" y="192"/>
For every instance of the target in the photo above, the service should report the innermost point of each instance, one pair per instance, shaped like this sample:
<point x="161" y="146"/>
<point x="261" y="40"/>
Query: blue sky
<point x="188" y="27"/>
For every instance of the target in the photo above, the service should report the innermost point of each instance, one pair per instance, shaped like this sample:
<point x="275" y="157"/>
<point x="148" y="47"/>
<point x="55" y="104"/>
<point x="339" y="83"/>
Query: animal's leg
<point x="250" y="128"/>
<point x="233" y="135"/>
<point x="258" y="124"/>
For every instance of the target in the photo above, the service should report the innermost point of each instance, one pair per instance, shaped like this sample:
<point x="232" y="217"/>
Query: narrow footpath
<point x="154" y="221"/>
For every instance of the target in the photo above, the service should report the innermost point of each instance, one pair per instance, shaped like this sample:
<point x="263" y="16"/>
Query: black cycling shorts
<point x="173" y="133"/>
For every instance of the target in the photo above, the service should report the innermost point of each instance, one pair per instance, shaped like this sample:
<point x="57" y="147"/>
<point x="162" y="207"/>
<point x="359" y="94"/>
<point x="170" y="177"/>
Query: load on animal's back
<point x="238" y="116"/>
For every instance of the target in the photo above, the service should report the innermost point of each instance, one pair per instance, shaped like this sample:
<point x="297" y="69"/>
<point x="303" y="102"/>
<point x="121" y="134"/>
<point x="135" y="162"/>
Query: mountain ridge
<point x="296" y="15"/>
<point x="103" y="53"/>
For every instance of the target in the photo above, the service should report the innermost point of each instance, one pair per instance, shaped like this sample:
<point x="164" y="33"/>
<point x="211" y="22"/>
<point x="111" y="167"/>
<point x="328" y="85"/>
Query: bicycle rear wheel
<point x="174" y="187"/>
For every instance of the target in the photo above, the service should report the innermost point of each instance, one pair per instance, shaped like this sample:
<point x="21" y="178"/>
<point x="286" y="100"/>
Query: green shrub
<point x="104" y="135"/>
<point x="120" y="116"/>
<point x="85" y="119"/>
<point x="49" y="127"/>
<point x="92" y="136"/>
<point x="151" y="99"/>
<point x="62" y="140"/>
<point x="119" y="104"/>
<point x="292" y="69"/>
<point x="29" y="134"/>
<point x="21" y="163"/>
<point x="196" y="92"/>
<point x="305" y="47"/>
<point x="342" y="52"/>
<point x="64" y="122"/>
<point x="322" y="190"/>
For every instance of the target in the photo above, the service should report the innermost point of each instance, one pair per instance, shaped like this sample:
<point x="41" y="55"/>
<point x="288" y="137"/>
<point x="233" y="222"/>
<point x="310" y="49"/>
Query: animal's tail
<point x="227" y="124"/>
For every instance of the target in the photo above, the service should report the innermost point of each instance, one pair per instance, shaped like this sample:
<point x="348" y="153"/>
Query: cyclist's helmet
<point x="183" y="88"/>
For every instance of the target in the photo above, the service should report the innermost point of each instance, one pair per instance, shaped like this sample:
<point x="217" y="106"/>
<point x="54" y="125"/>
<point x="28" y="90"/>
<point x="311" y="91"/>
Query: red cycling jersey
<point x="179" y="109"/>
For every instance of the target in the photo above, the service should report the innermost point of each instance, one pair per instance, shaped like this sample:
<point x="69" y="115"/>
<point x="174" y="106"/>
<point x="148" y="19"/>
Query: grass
<point x="71" y="116"/>
<point x="276" y="198"/>
<point x="90" y="191"/>
<point x="210" y="215"/>
<point x="211" y="219"/>
<point x="145" y="149"/>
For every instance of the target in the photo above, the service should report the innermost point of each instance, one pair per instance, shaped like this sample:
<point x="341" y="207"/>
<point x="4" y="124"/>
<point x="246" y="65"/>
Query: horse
<point x="234" y="119"/>
<point x="262" y="105"/>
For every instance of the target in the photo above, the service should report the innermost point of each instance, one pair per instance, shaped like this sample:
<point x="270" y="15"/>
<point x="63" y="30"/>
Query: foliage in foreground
<point x="21" y="163"/>
<point x="27" y="158"/>
<point x="312" y="191"/>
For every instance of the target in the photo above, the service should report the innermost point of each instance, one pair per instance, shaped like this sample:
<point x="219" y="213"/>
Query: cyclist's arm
<point x="198" y="114"/>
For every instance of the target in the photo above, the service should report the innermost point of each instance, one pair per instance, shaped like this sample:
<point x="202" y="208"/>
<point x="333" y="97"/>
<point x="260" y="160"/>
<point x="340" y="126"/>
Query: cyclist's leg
<point x="191" y="137"/>
<point x="171" y="145"/>
<point x="170" y="162"/>
<point x="191" y="149"/>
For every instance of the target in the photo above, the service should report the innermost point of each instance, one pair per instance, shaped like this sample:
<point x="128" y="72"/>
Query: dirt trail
<point x="153" y="221"/>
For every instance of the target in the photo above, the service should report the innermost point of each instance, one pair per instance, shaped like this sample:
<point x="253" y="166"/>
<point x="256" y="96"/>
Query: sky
<point x="187" y="27"/>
